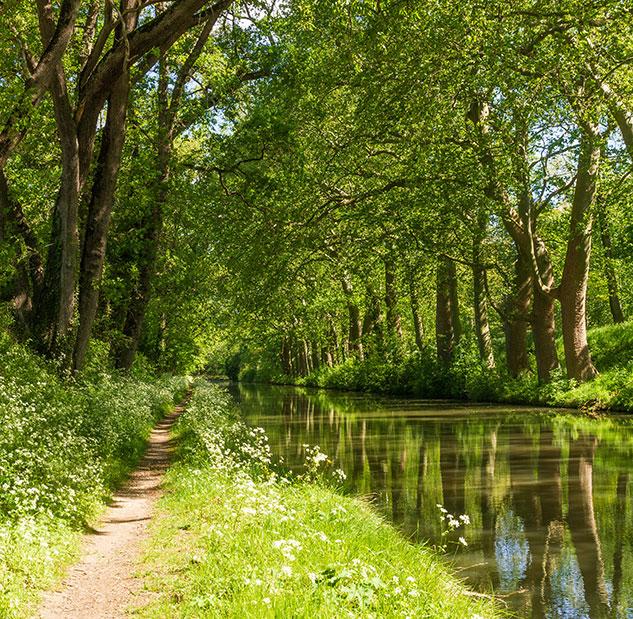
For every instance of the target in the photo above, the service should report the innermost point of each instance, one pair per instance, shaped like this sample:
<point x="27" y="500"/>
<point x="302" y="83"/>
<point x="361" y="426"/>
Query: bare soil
<point x="101" y="584"/>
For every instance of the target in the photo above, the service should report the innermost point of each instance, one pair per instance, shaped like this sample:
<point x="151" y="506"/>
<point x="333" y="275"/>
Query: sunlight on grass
<point x="236" y="539"/>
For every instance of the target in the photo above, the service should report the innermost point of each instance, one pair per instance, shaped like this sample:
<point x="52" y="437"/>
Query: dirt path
<point x="101" y="586"/>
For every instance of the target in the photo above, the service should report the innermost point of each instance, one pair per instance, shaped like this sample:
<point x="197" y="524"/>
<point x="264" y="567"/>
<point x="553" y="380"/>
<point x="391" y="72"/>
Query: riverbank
<point x="421" y="375"/>
<point x="65" y="445"/>
<point x="236" y="538"/>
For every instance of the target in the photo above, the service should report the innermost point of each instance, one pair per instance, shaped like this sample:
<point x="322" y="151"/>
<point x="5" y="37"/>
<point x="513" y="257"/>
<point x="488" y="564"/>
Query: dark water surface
<point x="548" y="494"/>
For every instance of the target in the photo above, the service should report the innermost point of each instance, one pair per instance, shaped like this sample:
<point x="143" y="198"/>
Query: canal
<point x="540" y="500"/>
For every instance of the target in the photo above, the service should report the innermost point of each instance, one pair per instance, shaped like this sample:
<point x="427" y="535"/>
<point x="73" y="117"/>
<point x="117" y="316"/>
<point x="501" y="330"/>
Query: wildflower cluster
<point x="450" y="524"/>
<point x="315" y="465"/>
<point x="64" y="445"/>
<point x="210" y="431"/>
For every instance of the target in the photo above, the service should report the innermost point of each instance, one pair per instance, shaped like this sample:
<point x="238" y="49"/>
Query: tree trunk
<point x="415" y="312"/>
<point x="445" y="332"/>
<point x="333" y="342"/>
<point x="373" y="324"/>
<point x="316" y="357"/>
<point x="452" y="290"/>
<point x="573" y="287"/>
<point x="284" y="356"/>
<point x="153" y="225"/>
<point x="543" y="320"/>
<point x="15" y="231"/>
<point x="63" y="280"/>
<point x="355" y="324"/>
<point x="99" y="212"/>
<point x="393" y="319"/>
<point x="307" y="358"/>
<point x="609" y="270"/>
<point x="515" y="315"/>
<point x="482" y="325"/>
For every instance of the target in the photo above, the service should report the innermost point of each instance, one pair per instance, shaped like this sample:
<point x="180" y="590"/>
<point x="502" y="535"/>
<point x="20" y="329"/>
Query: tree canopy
<point x="301" y="184"/>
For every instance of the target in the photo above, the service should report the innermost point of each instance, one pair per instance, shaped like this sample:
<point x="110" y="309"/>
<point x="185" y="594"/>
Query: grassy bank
<point x="235" y="539"/>
<point x="65" y="444"/>
<point x="422" y="375"/>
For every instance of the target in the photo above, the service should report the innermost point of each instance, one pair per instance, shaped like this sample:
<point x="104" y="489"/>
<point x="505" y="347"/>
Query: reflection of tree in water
<point x="582" y="523"/>
<point x="618" y="555"/>
<point x="511" y="551"/>
<point x="452" y="470"/>
<point x="526" y="485"/>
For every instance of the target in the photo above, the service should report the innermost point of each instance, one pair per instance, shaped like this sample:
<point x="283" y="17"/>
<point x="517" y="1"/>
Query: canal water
<point x="544" y="496"/>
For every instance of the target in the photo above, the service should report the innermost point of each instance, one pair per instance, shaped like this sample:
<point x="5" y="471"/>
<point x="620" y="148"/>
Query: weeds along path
<point x="101" y="585"/>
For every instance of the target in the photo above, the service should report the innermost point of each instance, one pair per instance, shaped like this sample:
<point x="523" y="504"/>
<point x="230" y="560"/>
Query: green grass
<point x="65" y="445"/>
<point x="234" y="539"/>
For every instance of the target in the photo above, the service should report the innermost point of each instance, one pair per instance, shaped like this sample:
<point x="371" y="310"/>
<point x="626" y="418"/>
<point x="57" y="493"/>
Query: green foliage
<point x="423" y="375"/>
<point x="233" y="365"/>
<point x="611" y="345"/>
<point x="65" y="445"/>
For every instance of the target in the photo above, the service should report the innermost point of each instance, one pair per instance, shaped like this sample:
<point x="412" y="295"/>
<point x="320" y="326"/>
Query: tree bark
<point x="482" y="325"/>
<point x="609" y="270"/>
<point x="445" y="331"/>
<point x="355" y="323"/>
<point x="573" y="287"/>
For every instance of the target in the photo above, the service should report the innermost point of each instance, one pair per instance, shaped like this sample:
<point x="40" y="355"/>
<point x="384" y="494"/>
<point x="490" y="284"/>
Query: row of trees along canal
<point x="316" y="177"/>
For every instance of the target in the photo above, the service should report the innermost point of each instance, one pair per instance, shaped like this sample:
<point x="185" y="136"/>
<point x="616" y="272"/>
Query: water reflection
<point x="547" y="494"/>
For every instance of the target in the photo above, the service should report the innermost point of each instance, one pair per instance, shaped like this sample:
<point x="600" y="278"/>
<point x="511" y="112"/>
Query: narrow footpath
<point x="101" y="585"/>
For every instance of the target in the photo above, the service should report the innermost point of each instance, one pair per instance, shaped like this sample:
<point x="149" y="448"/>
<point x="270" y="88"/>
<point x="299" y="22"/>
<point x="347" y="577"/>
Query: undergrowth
<point x="422" y="374"/>
<point x="235" y="538"/>
<point x="65" y="444"/>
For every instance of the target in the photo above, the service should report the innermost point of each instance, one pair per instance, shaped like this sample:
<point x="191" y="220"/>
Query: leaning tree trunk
<point x="167" y="114"/>
<point x="99" y="212"/>
<point x="573" y="287"/>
